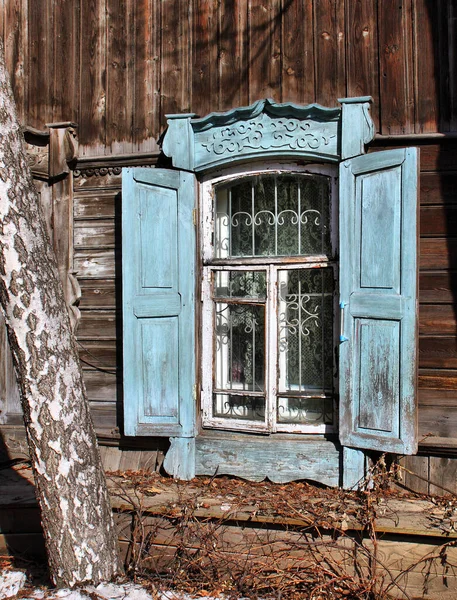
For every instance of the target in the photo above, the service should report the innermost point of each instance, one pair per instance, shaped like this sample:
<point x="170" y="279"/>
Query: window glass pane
<point x="240" y="284"/>
<point x="305" y="344"/>
<point x="273" y="215"/>
<point x="240" y="347"/>
<point x="229" y="406"/>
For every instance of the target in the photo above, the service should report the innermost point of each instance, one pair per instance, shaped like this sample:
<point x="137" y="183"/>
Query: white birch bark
<point x="77" y="519"/>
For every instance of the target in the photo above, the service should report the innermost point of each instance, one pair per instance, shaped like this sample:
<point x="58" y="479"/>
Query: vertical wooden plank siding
<point x="204" y="73"/>
<point x="92" y="118"/>
<point x="298" y="53"/>
<point x="175" y="59"/>
<point x="396" y="76"/>
<point x="362" y="52"/>
<point x="234" y="53"/>
<point x="119" y="75"/>
<point x="40" y="31"/>
<point x="329" y="51"/>
<point x="65" y="96"/>
<point x="147" y="75"/>
<point x="426" y="65"/>
<point x="264" y="50"/>
<point x="14" y="30"/>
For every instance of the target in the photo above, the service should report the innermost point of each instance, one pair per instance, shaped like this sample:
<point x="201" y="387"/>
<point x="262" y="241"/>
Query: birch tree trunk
<point x="77" y="519"/>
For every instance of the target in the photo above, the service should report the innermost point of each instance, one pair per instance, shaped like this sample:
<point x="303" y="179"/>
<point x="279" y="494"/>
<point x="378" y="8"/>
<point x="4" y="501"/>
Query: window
<point x="294" y="218"/>
<point x="268" y="295"/>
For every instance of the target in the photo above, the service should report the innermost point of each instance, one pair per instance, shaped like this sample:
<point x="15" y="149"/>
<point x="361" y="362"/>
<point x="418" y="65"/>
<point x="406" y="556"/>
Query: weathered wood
<point x="426" y="65"/>
<point x="362" y="52"/>
<point x="120" y="42"/>
<point x="97" y="324"/>
<point x="100" y="385"/>
<point x="264" y="27"/>
<point x="95" y="263"/>
<point x="257" y="458"/>
<point x="438" y="253"/>
<point x="66" y="61"/>
<point x="98" y="294"/>
<point x="146" y="51"/>
<point x="92" y="115"/>
<point x="437" y="319"/>
<point x="396" y="76"/>
<point x="208" y="40"/>
<point x="415" y="465"/>
<point x="100" y="233"/>
<point x="14" y="29"/>
<point x="100" y="355"/>
<point x="439" y="352"/>
<point x="437" y="413"/>
<point x="438" y="188"/>
<point x="95" y="204"/>
<point x="443" y="471"/>
<point x="298" y="52"/>
<point x="438" y="221"/>
<point x="437" y="287"/>
<point x="175" y="59"/>
<point x="438" y="379"/>
<point x="329" y="44"/>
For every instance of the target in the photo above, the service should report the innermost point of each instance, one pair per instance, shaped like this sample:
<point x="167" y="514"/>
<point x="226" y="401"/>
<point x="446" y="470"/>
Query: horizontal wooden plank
<point x="94" y="263"/>
<point x="98" y="177"/>
<point x="438" y="288"/>
<point x="98" y="293"/>
<point x="437" y="319"/>
<point x="437" y="351"/>
<point x="439" y="157"/>
<point x="438" y="221"/>
<point x="104" y="415"/>
<point x="98" y="324"/>
<point x="438" y="379"/>
<point x="93" y="234"/>
<point x="434" y="421"/>
<point x="438" y="188"/>
<point x="442" y="398"/>
<point x="95" y="204"/>
<point x="97" y="354"/>
<point x="101" y="386"/>
<point x="438" y="254"/>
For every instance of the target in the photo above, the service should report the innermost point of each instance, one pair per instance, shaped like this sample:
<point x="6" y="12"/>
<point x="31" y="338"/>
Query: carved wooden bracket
<point x="52" y="156"/>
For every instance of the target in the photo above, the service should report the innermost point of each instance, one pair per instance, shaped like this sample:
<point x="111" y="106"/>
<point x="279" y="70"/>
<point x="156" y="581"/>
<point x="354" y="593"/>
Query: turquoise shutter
<point x="158" y="278"/>
<point x="378" y="283"/>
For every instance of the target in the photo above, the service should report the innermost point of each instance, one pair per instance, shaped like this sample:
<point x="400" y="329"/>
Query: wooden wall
<point x="116" y="67"/>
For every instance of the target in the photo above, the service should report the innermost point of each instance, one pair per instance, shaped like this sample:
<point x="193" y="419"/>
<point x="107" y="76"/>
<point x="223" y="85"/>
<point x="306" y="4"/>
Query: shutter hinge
<point x="194" y="216"/>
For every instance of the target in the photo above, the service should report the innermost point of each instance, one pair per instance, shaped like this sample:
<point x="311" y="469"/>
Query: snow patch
<point x="11" y="582"/>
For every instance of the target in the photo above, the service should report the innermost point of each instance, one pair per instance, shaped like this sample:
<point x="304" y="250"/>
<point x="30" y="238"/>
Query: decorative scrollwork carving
<point x="97" y="171"/>
<point x="266" y="133"/>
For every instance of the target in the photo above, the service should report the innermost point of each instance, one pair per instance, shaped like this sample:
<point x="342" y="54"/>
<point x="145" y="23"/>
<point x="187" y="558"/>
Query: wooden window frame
<point x="272" y="265"/>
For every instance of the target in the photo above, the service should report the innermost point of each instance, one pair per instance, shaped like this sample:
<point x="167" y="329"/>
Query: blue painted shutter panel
<point x="158" y="279"/>
<point x="378" y="293"/>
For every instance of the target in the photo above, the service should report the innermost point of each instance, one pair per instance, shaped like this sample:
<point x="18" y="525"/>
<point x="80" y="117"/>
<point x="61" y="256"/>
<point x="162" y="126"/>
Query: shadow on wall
<point x="21" y="535"/>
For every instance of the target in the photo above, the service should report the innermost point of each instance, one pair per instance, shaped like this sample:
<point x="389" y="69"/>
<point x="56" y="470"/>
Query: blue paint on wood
<point x="378" y="248"/>
<point x="353" y="468"/>
<point x="158" y="270"/>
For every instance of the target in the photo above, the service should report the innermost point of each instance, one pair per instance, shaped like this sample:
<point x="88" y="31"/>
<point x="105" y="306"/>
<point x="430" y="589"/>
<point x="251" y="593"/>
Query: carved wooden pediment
<point x="267" y="128"/>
